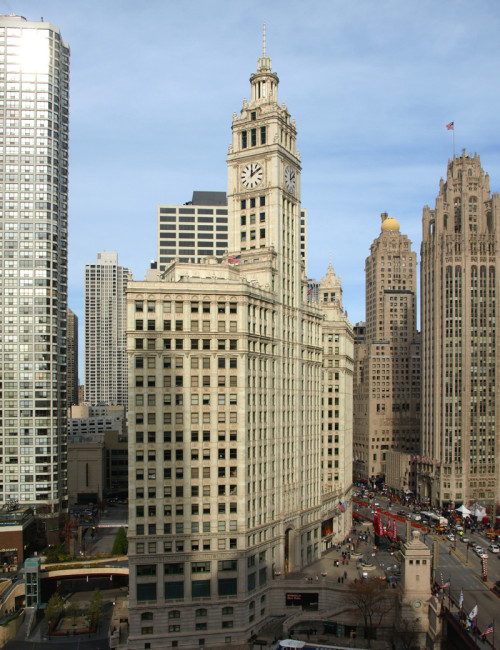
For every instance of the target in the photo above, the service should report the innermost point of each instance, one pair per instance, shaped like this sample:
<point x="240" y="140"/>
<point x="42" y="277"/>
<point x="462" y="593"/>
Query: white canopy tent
<point x="465" y="512"/>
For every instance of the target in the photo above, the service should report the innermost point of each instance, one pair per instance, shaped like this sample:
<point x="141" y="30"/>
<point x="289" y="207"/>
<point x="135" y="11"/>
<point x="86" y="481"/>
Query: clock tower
<point x="264" y="182"/>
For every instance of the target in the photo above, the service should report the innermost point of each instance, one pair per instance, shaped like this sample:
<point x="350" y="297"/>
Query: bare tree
<point x="372" y="600"/>
<point x="405" y="632"/>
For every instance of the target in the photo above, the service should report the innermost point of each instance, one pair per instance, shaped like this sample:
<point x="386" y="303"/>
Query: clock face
<point x="290" y="178"/>
<point x="417" y="604"/>
<point x="251" y="175"/>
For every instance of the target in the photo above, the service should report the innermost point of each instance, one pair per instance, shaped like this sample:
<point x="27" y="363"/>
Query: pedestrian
<point x="338" y="579"/>
<point x="342" y="579"/>
<point x="345" y="575"/>
<point x="317" y="578"/>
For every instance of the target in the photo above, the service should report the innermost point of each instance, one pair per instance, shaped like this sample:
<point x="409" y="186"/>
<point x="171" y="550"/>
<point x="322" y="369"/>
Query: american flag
<point x="488" y="630"/>
<point x="450" y="126"/>
<point x="310" y="291"/>
<point x="234" y="259"/>
<point x="342" y="507"/>
<point x="445" y="585"/>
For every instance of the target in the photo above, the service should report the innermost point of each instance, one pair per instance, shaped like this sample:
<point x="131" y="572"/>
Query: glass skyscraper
<point x="34" y="86"/>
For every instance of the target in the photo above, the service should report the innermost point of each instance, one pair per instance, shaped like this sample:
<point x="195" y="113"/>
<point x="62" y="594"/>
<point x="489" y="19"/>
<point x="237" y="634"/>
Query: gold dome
<point x="390" y="224"/>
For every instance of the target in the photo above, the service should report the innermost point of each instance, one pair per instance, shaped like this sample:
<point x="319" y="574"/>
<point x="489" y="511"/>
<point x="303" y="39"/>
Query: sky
<point x="371" y="85"/>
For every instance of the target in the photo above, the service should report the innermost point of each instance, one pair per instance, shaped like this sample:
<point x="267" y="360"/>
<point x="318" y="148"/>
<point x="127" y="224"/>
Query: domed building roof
<point x="389" y="223"/>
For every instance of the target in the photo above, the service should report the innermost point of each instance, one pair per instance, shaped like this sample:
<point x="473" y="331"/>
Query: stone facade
<point x="387" y="358"/>
<point x="226" y="419"/>
<point x="460" y="283"/>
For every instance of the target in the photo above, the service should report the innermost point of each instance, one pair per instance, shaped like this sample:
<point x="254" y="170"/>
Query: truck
<point x="435" y="520"/>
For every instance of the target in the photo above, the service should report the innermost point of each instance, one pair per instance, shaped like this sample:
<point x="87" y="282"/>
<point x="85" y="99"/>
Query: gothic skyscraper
<point x="461" y="339"/>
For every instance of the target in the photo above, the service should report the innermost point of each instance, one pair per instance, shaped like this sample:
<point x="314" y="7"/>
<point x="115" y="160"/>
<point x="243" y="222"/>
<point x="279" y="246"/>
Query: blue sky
<point x="371" y="84"/>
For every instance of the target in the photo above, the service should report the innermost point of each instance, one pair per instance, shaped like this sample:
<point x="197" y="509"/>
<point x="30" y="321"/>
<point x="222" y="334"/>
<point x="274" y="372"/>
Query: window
<point x="174" y="568"/>
<point x="227" y="586"/>
<point x="200" y="588"/>
<point x="228" y="565"/>
<point x="146" y="591"/>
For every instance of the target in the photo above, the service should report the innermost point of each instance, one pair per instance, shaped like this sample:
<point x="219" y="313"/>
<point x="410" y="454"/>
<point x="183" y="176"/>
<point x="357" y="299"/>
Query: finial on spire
<point x="264" y="42"/>
<point x="330" y="256"/>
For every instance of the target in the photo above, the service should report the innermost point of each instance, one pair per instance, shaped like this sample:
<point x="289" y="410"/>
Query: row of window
<point x="199" y="588"/>
<point x="178" y="382"/>
<point x="249" y="138"/>
<point x="199" y="613"/>
<point x="178" y="547"/>
<point x="167" y="418"/>
<point x="222" y="307"/>
<point x="178" y="400"/>
<point x="179" y="436"/>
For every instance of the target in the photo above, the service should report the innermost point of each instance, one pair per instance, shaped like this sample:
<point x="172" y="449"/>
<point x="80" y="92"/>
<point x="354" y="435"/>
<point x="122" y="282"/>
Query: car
<point x="451" y="537"/>
<point x="416" y="517"/>
<point x="478" y="550"/>
<point x="483" y="555"/>
<point x="494" y="548"/>
<point x="464" y="539"/>
<point x="401" y="513"/>
<point x="459" y="528"/>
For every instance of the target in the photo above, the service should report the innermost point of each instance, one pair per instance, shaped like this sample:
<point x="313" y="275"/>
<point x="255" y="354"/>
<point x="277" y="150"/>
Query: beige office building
<point x="225" y="409"/>
<point x="387" y="359"/>
<point x="338" y="370"/>
<point x="460" y="339"/>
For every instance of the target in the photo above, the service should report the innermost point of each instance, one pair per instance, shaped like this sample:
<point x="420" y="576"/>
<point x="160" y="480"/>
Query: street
<point x="462" y="566"/>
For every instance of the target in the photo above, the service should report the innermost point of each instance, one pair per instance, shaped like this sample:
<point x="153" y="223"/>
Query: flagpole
<point x="453" y="140"/>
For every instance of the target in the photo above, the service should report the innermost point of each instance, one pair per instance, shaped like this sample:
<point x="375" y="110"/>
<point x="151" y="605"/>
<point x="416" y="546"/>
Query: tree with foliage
<point x="55" y="553"/>
<point x="95" y="605"/>
<point x="72" y="610"/>
<point x="120" y="545"/>
<point x="54" y="608"/>
<point x="372" y="600"/>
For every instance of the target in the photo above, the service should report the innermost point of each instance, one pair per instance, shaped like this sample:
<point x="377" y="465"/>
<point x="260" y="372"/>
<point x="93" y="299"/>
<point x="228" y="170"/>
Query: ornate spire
<point x="264" y="64"/>
<point x="264" y="81"/>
